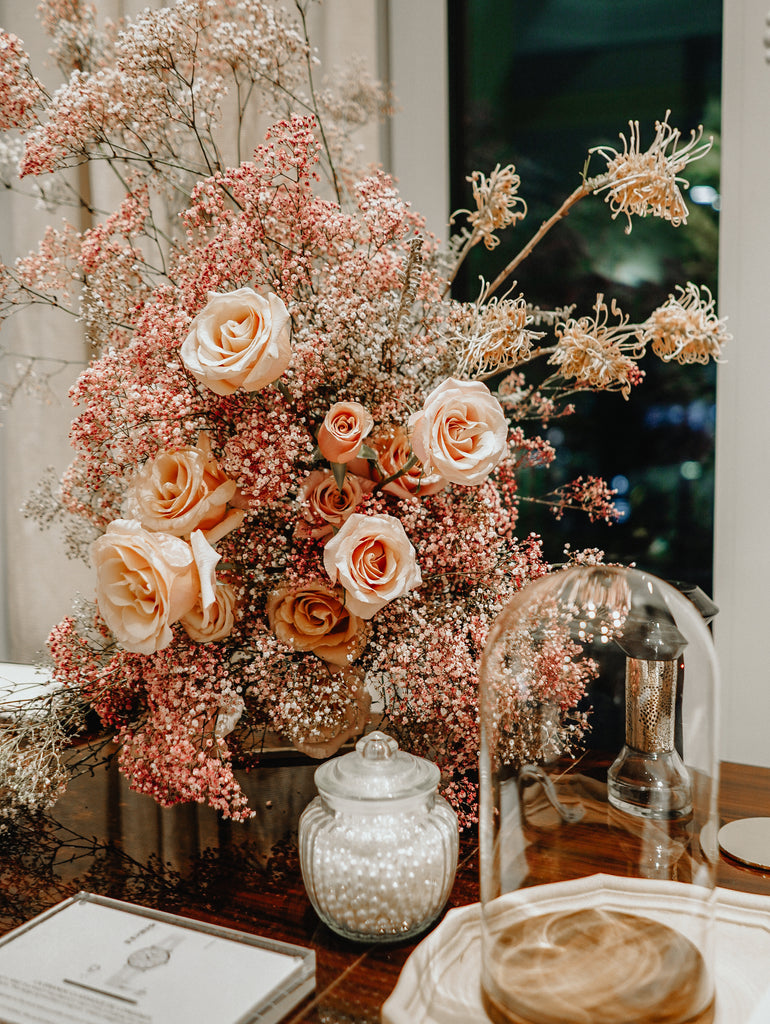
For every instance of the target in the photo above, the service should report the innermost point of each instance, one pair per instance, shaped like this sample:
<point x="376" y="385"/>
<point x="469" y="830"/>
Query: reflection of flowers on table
<point x="297" y="487"/>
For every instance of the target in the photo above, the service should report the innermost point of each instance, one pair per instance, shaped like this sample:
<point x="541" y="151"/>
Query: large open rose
<point x="145" y="582"/>
<point x="461" y="431"/>
<point x="184" y="490"/>
<point x="374" y="560"/>
<point x="240" y="339"/>
<point x="343" y="431"/>
<point x="325" y="506"/>
<point x="313" y="617"/>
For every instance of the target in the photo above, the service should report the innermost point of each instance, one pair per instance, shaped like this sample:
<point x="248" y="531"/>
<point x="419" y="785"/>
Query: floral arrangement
<point x="296" y="454"/>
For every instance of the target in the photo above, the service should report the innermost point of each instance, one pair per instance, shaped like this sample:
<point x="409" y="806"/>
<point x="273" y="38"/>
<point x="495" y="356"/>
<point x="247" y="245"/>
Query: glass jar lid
<point x="377" y="770"/>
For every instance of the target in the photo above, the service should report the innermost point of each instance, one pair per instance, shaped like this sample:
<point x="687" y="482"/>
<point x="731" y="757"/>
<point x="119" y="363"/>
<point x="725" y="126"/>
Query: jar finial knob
<point x="377" y="746"/>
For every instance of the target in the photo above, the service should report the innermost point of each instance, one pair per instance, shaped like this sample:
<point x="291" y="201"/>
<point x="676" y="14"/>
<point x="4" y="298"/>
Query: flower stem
<point x="586" y="187"/>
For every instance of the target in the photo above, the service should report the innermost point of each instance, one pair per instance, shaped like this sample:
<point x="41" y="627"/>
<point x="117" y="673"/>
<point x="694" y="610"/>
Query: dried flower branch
<point x="637" y="182"/>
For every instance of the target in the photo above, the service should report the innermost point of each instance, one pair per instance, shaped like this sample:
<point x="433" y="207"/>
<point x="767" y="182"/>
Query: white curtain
<point x="39" y="579"/>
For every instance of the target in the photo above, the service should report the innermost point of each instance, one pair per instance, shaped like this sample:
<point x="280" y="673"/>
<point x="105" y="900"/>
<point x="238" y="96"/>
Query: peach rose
<point x="324" y="506"/>
<point x="145" y="582"/>
<point x="339" y="709"/>
<point x="373" y="559"/>
<point x="461" y="432"/>
<point x="343" y="431"/>
<point x="240" y="339"/>
<point x="184" y="490"/>
<point x="313" y="617"/>
<point x="214" y="621"/>
<point x="393" y="452"/>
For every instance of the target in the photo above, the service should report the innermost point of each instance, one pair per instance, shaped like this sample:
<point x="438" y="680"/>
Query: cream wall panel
<point x="742" y="529"/>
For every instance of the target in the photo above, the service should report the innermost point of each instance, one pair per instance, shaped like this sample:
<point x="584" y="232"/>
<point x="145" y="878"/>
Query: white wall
<point x="419" y="135"/>
<point x="742" y="537"/>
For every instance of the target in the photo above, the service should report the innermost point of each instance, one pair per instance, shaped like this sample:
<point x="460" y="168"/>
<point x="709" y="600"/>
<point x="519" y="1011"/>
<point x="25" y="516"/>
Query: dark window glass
<point x="537" y="83"/>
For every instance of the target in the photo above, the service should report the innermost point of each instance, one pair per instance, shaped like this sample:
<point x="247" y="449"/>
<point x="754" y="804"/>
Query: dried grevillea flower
<point x="498" y="204"/>
<point x="685" y="328"/>
<point x="642" y="182"/>
<point x="499" y="337"/>
<point x="597" y="354"/>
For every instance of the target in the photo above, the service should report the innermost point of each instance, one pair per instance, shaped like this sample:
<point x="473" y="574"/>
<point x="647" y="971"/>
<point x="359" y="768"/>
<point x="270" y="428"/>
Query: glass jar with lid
<point x="599" y="780"/>
<point x="378" y="845"/>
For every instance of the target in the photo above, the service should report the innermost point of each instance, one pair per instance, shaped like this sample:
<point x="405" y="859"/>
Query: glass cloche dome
<point x="598" y="803"/>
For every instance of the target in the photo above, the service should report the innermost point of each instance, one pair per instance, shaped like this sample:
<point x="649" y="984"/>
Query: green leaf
<point x="339" y="469"/>
<point x="365" y="452"/>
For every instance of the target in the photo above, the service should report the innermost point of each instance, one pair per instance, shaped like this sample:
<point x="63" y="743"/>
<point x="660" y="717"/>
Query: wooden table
<point x="104" y="839"/>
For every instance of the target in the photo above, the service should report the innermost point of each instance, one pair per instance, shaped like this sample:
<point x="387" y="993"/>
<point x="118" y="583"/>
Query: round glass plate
<point x="440" y="984"/>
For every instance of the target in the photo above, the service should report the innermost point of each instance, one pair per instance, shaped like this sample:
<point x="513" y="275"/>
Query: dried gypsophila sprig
<point x="642" y="182"/>
<point x="598" y="354"/>
<point x="685" y="328"/>
<point x="351" y="98"/>
<point x="34" y="736"/>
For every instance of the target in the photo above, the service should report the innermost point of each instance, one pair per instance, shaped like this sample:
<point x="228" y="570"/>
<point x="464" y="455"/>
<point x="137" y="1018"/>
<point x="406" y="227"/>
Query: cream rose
<point x="343" y="431"/>
<point x="314" y="618"/>
<point x="145" y="582"/>
<point x="461" y="432"/>
<point x="240" y="339"/>
<point x="184" y="490"/>
<point x="373" y="559"/>
<point x="324" y="506"/>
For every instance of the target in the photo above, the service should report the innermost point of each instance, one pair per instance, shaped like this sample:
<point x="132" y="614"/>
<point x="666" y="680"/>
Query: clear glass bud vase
<point x="596" y="884"/>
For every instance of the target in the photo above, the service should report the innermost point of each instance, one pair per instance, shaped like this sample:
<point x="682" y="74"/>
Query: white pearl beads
<point x="381" y="876"/>
<point x="378" y="846"/>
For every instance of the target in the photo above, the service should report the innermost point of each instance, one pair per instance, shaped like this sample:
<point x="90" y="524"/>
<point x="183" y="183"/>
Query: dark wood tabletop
<point x="102" y="838"/>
